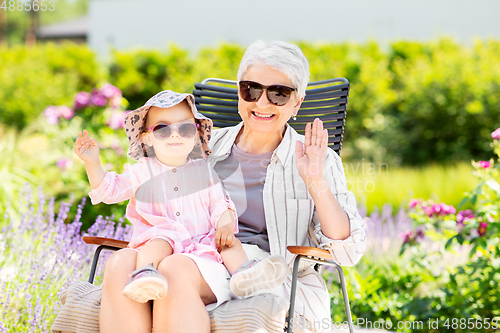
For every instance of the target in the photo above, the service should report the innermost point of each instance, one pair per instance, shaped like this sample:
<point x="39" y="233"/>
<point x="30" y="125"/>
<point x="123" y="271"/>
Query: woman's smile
<point x="262" y="116"/>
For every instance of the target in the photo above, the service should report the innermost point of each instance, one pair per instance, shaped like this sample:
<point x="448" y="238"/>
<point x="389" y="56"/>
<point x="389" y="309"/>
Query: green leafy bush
<point x="140" y="74"/>
<point x="446" y="99"/>
<point x="412" y="103"/>
<point x="32" y="78"/>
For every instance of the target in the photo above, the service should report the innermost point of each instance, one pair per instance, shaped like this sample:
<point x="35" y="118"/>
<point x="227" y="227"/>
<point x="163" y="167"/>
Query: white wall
<point x="192" y="24"/>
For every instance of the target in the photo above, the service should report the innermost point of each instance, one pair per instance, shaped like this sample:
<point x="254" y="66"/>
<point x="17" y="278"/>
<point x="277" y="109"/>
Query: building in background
<point x="75" y="30"/>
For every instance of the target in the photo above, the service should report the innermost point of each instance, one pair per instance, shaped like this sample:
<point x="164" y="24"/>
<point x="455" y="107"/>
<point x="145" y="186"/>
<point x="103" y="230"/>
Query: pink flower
<point x="116" y="121"/>
<point x="115" y="101"/>
<point x="82" y="100"/>
<point x="428" y="211"/>
<point x="464" y="215"/>
<point x="436" y="208"/>
<point x="448" y="209"/>
<point x="51" y="113"/>
<point x="412" y="236"/>
<point x="482" y="228"/>
<point x="484" y="164"/>
<point x="97" y="99"/>
<point x="64" y="163"/>
<point x="496" y="134"/>
<point x="110" y="91"/>
<point x="66" y="112"/>
<point x="414" y="203"/>
<point x="116" y="147"/>
<point x="407" y="236"/>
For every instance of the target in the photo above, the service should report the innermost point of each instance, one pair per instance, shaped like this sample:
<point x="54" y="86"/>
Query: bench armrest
<point x="105" y="241"/>
<point x="310" y="251"/>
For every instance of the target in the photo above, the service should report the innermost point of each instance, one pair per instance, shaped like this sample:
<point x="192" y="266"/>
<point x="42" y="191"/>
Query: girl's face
<point x="174" y="150"/>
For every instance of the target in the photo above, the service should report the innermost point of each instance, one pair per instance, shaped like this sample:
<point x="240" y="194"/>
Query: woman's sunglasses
<point x="276" y="94"/>
<point x="164" y="131"/>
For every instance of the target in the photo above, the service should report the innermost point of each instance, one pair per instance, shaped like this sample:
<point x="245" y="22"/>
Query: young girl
<point x="177" y="202"/>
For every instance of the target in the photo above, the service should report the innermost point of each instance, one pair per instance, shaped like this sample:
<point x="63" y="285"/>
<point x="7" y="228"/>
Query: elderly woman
<point x="288" y="190"/>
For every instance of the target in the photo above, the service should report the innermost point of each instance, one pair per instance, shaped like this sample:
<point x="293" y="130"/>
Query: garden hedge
<point x="411" y="103"/>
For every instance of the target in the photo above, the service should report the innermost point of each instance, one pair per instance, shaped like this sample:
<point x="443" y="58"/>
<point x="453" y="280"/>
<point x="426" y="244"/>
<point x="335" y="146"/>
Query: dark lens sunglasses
<point x="164" y="131"/>
<point x="276" y="94"/>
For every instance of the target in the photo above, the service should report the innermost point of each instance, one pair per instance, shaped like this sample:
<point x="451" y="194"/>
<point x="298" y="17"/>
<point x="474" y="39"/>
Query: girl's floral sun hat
<point x="135" y="125"/>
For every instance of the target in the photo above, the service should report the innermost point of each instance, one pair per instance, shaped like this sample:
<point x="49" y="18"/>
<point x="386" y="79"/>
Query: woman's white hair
<point x="282" y="56"/>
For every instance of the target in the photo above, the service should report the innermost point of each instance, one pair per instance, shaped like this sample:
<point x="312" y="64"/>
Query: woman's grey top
<point x="249" y="203"/>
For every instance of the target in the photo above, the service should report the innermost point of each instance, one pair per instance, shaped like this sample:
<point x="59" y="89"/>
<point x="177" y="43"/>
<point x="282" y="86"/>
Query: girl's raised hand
<point x="86" y="148"/>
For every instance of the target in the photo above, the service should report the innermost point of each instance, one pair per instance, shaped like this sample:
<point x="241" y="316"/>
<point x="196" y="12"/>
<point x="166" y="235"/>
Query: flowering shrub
<point x="41" y="254"/>
<point x="53" y="113"/>
<point x="107" y="96"/>
<point x="466" y="289"/>
<point x="101" y="112"/>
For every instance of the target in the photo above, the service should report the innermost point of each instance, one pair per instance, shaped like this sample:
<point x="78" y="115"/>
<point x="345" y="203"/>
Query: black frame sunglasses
<point x="277" y="94"/>
<point x="186" y="130"/>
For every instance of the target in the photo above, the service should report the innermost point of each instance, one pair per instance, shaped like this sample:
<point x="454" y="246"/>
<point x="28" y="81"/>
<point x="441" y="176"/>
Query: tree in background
<point x="16" y="27"/>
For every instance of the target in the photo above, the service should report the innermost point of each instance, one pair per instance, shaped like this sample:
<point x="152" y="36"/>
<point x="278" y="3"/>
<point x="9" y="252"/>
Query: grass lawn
<point x="378" y="184"/>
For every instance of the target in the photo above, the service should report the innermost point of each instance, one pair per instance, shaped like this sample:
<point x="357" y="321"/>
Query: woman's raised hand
<point x="86" y="148"/>
<point x="311" y="156"/>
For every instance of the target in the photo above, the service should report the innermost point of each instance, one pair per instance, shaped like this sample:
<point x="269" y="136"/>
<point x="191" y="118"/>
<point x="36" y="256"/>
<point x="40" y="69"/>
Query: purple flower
<point x="57" y="258"/>
<point x="482" y="228"/>
<point x="109" y="91"/>
<point x="420" y="234"/>
<point x="484" y="164"/>
<point x="51" y="114"/>
<point x="97" y="99"/>
<point x="464" y="215"/>
<point x="82" y="100"/>
<point x="496" y="134"/>
<point x="116" y="121"/>
<point x="64" y="163"/>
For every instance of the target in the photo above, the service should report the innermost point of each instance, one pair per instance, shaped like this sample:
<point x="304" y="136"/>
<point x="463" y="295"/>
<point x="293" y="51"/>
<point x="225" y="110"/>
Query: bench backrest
<point x="327" y="100"/>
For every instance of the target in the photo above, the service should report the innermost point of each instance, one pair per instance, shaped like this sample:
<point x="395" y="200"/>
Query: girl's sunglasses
<point x="164" y="131"/>
<point x="276" y="94"/>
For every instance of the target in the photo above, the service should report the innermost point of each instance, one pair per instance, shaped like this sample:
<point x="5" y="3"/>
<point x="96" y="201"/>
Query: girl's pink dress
<point x="181" y="205"/>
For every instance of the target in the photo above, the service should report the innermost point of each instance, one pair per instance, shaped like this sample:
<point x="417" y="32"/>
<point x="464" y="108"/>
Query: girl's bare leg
<point x="183" y="309"/>
<point x="118" y="313"/>
<point x="153" y="252"/>
<point x="234" y="256"/>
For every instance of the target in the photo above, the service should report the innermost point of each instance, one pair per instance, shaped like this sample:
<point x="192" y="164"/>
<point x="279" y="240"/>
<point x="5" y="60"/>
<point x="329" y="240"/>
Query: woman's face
<point x="250" y="111"/>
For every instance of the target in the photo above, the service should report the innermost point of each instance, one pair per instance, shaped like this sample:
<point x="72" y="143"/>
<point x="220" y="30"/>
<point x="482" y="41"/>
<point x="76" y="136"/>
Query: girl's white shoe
<point x="146" y="284"/>
<point x="255" y="275"/>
